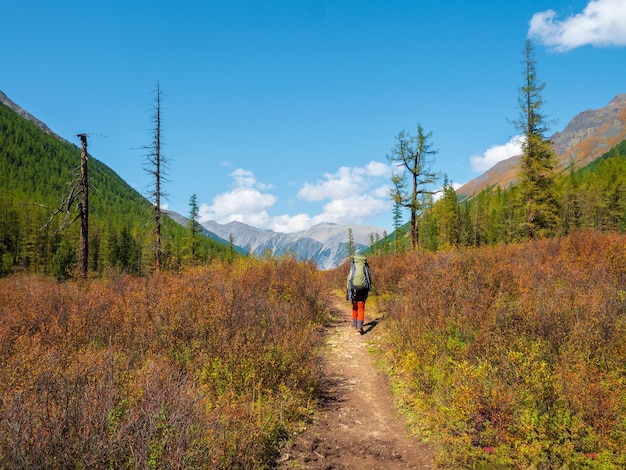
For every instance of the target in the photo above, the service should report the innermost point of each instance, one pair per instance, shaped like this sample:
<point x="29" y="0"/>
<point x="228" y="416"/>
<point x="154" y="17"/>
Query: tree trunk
<point x="83" y="243"/>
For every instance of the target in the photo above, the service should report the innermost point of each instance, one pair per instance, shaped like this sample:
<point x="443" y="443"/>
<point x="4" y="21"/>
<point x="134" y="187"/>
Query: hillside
<point x="587" y="137"/>
<point x="37" y="168"/>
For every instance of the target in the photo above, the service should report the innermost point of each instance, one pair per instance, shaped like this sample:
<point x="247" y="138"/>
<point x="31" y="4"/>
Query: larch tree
<point x="536" y="173"/>
<point x="414" y="182"/>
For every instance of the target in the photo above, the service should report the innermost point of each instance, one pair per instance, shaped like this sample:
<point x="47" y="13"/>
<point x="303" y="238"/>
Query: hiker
<point x="357" y="289"/>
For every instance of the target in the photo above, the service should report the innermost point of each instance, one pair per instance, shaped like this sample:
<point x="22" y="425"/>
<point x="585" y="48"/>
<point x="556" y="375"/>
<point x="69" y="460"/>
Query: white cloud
<point x="292" y="223"/>
<point x="354" y="196"/>
<point x="245" y="179"/>
<point x="497" y="153"/>
<point x="602" y="23"/>
<point x="382" y="192"/>
<point x="345" y="183"/>
<point x="378" y="169"/>
<point x="341" y="184"/>
<point x="355" y="209"/>
<point x="244" y="203"/>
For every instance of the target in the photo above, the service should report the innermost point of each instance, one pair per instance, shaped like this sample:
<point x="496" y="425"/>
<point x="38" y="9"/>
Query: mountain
<point x="325" y="243"/>
<point x="4" y="99"/>
<point x="587" y="137"/>
<point x="183" y="221"/>
<point x="37" y="168"/>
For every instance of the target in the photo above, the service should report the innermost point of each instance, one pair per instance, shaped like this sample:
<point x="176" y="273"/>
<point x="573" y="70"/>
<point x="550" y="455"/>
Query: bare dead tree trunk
<point x="83" y="243"/>
<point x="156" y="165"/>
<point x="157" y="188"/>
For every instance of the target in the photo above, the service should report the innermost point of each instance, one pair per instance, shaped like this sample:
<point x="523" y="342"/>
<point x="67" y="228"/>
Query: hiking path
<point x="356" y="425"/>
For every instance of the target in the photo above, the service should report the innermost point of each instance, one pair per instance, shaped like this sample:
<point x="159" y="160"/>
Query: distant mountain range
<point x="587" y="137"/>
<point x="325" y="243"/>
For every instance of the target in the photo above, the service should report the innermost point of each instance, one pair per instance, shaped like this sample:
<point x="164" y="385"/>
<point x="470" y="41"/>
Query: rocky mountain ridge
<point x="325" y="243"/>
<point x="587" y="137"/>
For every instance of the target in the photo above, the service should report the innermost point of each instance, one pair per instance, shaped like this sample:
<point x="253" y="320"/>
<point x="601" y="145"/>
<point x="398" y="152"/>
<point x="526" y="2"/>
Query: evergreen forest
<point x="36" y="173"/>
<point x="592" y="197"/>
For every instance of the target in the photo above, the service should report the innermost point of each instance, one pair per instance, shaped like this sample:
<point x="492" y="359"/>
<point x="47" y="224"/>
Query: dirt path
<point x="357" y="426"/>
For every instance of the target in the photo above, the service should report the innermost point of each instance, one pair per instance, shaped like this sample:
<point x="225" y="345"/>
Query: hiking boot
<point x="359" y="326"/>
<point x="354" y="325"/>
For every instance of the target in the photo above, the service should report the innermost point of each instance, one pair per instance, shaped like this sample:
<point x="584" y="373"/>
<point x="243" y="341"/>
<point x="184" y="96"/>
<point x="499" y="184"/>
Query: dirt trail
<point x="357" y="426"/>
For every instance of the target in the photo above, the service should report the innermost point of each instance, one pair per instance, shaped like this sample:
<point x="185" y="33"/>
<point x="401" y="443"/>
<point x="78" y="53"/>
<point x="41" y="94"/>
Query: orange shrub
<point x="206" y="368"/>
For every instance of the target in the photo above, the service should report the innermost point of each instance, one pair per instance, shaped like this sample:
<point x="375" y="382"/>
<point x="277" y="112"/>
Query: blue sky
<point x="280" y="114"/>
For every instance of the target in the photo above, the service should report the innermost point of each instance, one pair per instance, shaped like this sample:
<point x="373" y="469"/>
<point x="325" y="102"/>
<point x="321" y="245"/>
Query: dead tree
<point x="79" y="188"/>
<point x="83" y="209"/>
<point x="156" y="164"/>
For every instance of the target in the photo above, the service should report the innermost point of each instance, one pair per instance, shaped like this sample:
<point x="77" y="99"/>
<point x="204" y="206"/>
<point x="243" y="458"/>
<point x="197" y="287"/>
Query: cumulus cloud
<point x="244" y="202"/>
<point x="355" y="209"/>
<point x="345" y="183"/>
<point x="602" y="23"/>
<point x="497" y="153"/>
<point x="353" y="195"/>
<point x="342" y="184"/>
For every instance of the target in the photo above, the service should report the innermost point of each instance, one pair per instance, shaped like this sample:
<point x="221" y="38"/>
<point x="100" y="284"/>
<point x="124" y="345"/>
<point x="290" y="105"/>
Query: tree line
<point x="542" y="203"/>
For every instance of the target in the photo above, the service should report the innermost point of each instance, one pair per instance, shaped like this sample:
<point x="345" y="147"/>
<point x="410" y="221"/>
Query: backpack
<point x="359" y="277"/>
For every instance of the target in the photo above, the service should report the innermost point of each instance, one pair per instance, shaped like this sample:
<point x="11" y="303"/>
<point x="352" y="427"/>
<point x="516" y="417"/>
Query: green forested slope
<point x="36" y="170"/>
<point x="592" y="197"/>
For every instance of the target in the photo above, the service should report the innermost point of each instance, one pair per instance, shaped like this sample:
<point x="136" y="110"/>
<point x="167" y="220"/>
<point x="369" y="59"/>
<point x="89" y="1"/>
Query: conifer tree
<point x="413" y="156"/>
<point x="536" y="179"/>
<point x="194" y="227"/>
<point x="397" y="214"/>
<point x="447" y="217"/>
<point x="350" y="242"/>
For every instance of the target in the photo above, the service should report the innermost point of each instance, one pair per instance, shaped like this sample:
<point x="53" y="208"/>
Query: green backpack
<point x="359" y="277"/>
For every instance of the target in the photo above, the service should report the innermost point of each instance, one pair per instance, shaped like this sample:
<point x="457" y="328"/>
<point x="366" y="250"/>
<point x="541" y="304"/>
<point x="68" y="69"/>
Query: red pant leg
<point x="360" y="311"/>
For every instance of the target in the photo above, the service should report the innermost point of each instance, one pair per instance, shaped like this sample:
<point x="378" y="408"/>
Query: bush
<point x="513" y="355"/>
<point x="207" y="368"/>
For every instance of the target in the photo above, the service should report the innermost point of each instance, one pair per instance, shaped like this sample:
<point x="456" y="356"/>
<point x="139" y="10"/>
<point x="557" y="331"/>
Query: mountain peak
<point x="586" y="137"/>
<point x="325" y="242"/>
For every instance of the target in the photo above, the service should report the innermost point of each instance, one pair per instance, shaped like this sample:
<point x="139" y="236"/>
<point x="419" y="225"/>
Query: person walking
<point x="357" y="289"/>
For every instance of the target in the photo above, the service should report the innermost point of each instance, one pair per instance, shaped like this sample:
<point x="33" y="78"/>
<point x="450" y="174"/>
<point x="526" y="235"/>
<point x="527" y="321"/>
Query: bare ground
<point x="357" y="425"/>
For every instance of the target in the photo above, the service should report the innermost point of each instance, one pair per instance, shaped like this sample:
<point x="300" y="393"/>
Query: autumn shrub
<point x="513" y="355"/>
<point x="208" y="368"/>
